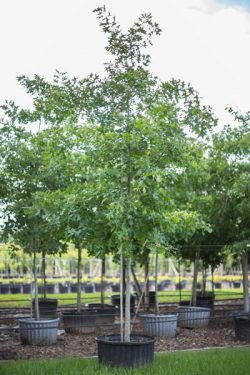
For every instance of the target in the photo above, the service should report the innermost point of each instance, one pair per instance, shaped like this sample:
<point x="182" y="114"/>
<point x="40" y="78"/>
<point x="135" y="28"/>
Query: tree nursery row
<point x="126" y="165"/>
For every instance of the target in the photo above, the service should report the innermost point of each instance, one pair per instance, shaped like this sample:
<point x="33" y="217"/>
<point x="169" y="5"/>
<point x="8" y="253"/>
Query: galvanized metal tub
<point x="38" y="332"/>
<point x="159" y="325"/>
<point x="193" y="317"/>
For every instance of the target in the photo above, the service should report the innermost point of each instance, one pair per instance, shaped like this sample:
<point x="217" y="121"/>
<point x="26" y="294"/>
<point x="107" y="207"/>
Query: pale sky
<point x="204" y="42"/>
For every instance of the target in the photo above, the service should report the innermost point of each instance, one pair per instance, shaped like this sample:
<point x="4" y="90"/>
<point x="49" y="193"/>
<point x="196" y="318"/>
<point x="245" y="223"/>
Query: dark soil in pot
<point x="79" y="322"/>
<point x="136" y="353"/>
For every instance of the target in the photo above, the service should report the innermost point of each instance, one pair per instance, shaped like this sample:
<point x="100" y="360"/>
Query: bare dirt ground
<point x="219" y="333"/>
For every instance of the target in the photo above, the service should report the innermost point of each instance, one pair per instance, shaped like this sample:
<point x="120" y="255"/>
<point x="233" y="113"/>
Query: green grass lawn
<point x="202" y="362"/>
<point x="23" y="300"/>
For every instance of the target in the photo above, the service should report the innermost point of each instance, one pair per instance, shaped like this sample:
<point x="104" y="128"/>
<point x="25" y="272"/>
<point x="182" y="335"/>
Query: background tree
<point x="26" y="170"/>
<point x="230" y="173"/>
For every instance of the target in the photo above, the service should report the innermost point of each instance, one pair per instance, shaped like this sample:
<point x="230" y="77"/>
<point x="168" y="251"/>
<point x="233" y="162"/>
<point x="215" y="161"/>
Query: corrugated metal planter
<point x="38" y="332"/>
<point x="159" y="325"/>
<point x="193" y="317"/>
<point x="242" y="326"/>
<point x="136" y="353"/>
<point x="79" y="322"/>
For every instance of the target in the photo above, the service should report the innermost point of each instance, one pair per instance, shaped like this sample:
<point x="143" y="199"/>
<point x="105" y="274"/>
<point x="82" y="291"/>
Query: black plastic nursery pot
<point x="73" y="288"/>
<point x="165" y="284"/>
<point x="136" y="353"/>
<point x="79" y="322"/>
<point x="115" y="288"/>
<point x="16" y="288"/>
<point x="236" y="284"/>
<point x="242" y="326"/>
<point x="217" y="285"/>
<point x="105" y="314"/>
<point x="88" y="288"/>
<point x="26" y="288"/>
<point x="201" y="301"/>
<point x="5" y="289"/>
<point x="115" y="300"/>
<point x="206" y="300"/>
<point x="50" y="288"/>
<point x="63" y="288"/>
<point x="47" y="307"/>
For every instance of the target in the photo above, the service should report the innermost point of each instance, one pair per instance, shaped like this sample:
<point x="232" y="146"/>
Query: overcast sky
<point x="204" y="42"/>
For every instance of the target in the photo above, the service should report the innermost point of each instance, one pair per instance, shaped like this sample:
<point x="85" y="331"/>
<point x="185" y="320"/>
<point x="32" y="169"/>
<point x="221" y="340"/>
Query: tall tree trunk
<point x="31" y="281"/>
<point x="79" y="278"/>
<point x="212" y="271"/>
<point x="156" y="284"/>
<point x="102" y="281"/>
<point x="127" y="301"/>
<point x="127" y="323"/>
<point x="146" y="276"/>
<point x="194" y="285"/>
<point x="204" y="279"/>
<point x="245" y="280"/>
<point x="179" y="272"/>
<point x="121" y="296"/>
<point x="37" y="316"/>
<point x="44" y="274"/>
<point x="124" y="276"/>
<point x="136" y="283"/>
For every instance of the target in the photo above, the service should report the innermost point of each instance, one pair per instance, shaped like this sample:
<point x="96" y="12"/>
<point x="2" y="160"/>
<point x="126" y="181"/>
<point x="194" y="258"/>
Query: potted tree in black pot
<point x="131" y="146"/>
<point x="134" y="131"/>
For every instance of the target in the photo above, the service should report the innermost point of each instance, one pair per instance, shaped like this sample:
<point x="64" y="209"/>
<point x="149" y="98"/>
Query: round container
<point x="193" y="317"/>
<point x="159" y="325"/>
<point x="38" y="332"/>
<point x="136" y="353"/>
<point x="79" y="322"/>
